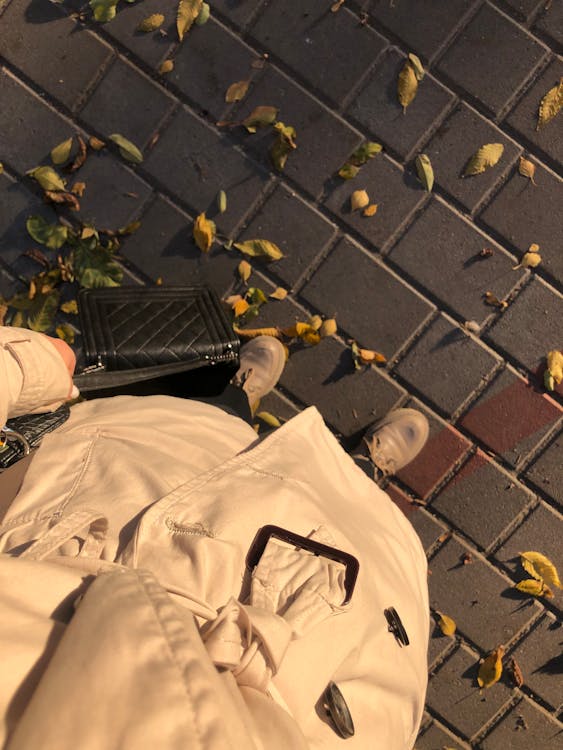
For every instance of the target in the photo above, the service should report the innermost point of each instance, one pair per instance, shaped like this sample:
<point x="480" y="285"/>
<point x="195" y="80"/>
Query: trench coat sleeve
<point x="33" y="376"/>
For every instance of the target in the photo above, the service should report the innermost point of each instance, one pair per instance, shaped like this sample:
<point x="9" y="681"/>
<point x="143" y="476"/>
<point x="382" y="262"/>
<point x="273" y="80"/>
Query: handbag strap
<point x="57" y="535"/>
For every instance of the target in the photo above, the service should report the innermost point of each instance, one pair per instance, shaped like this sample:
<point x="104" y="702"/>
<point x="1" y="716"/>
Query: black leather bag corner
<point x="134" y="334"/>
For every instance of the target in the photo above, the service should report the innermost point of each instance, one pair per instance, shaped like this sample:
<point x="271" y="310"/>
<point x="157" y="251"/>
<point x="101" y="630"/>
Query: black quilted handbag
<point x="21" y="434"/>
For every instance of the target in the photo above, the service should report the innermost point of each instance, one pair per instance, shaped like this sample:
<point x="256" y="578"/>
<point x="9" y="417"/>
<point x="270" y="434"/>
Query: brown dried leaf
<point x="96" y="144"/>
<point x="237" y="91"/>
<point x="527" y="169"/>
<point x="516" y="673"/>
<point x="359" y="199"/>
<point x="166" y="67"/>
<point x="260" y="117"/>
<point x="487" y="156"/>
<point x="252" y="333"/>
<point x="80" y="157"/>
<point x="493" y="301"/>
<point x="78" y="189"/>
<point x="371" y="210"/>
<point x="335" y="7"/>
<point x="550" y="105"/>
<point x="62" y="197"/>
<point x="407" y="85"/>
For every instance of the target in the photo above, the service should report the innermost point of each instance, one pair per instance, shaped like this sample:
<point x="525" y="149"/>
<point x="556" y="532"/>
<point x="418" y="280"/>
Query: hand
<point x="68" y="356"/>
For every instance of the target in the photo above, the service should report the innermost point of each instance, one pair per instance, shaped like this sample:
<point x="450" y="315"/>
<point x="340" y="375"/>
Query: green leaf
<point x="417" y="66"/>
<point x="348" y="171"/>
<point x="47" y="178"/>
<point x="128" y="150"/>
<point x="52" y="236"/>
<point x="260" y="117"/>
<point x="237" y="91"/>
<point x="65" y="332"/>
<point x="365" y="152"/>
<point x="284" y="144"/>
<point x="255" y="248"/>
<point x="104" y="10"/>
<point x="255" y="296"/>
<point x="70" y="307"/>
<point x="41" y="315"/>
<point x="425" y="171"/>
<point x="188" y="11"/>
<point x="203" y="15"/>
<point x="95" y="267"/>
<point x="61" y="153"/>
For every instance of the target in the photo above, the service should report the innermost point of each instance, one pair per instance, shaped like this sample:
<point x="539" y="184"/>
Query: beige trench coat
<point x="128" y="616"/>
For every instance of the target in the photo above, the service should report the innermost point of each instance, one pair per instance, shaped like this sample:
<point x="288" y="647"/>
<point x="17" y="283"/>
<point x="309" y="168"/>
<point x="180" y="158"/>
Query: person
<point x="169" y="579"/>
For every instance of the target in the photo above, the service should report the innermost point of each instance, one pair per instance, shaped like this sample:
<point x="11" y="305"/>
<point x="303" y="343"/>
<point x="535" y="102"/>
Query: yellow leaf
<point x="151" y="23"/>
<point x="367" y="356"/>
<point x="78" y="189"/>
<point x="487" y="156"/>
<point x="269" y="419"/>
<point x="279" y="293"/>
<point x="96" y="144"/>
<point x="304" y="331"/>
<point x="61" y="153"/>
<point x="240" y="307"/>
<point x="542" y="565"/>
<point x="417" y="66"/>
<point x="494" y="301"/>
<point x="527" y="169"/>
<point x="237" y="91"/>
<point x="252" y="333"/>
<point x="70" y="307"/>
<point x="316" y="322"/>
<point x="490" y="670"/>
<point x="1" y="172"/>
<point x="359" y="199"/>
<point x="127" y="149"/>
<point x="446" y="624"/>
<point x="407" y="85"/>
<point x="256" y="248"/>
<point x="425" y="171"/>
<point x="550" y="104"/>
<point x="554" y="371"/>
<point x="283" y="145"/>
<point x="222" y="201"/>
<point x="166" y="67"/>
<point x="65" y="332"/>
<point x="328" y="328"/>
<point x="47" y="178"/>
<point x="260" y="117"/>
<point x="188" y="11"/>
<point x="534" y="587"/>
<point x="529" y="260"/>
<point x="158" y="282"/>
<point x="203" y="15"/>
<point x="204" y="232"/>
<point x="244" y="270"/>
<point x="371" y="210"/>
<point x="348" y="171"/>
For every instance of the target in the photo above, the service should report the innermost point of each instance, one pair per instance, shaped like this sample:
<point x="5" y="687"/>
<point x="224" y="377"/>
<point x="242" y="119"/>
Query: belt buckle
<point x="351" y="564"/>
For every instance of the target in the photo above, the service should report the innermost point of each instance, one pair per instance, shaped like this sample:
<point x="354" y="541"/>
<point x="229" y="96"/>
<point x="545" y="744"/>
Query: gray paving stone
<point x="523" y="118"/>
<point x="29" y="127"/>
<point x="371" y="305"/>
<point x="477" y="597"/>
<point x="521" y="214"/>
<point x="205" y="68"/>
<point x="163" y="246"/>
<point x="238" y="12"/>
<point x="16" y="205"/>
<point x="541" y="532"/>
<point x="446" y="365"/>
<point x="425" y="525"/>
<point x="396" y="193"/>
<point x="550" y="25"/>
<point x="491" y="58"/>
<point x="450" y="150"/>
<point x="540" y="730"/>
<point x="324" y="141"/>
<point x="539" y="657"/>
<point x="194" y="163"/>
<point x="317" y="44"/>
<point x="423" y="25"/>
<point x="439" y="645"/>
<point x="481" y="490"/>
<point x="545" y="472"/>
<point x="59" y="55"/>
<point x="522" y="10"/>
<point x="377" y="109"/>
<point x="455" y="684"/>
<point x="127" y="102"/>
<point x="297" y="228"/>
<point x="439" y="238"/>
<point x="279" y="406"/>
<point x="530" y="327"/>
<point x="435" y="738"/>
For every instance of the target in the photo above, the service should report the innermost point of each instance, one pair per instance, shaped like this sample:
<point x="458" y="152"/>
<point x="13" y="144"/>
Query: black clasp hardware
<point x="8" y="435"/>
<point x="396" y="626"/>
<point x="321" y="550"/>
<point x="334" y="704"/>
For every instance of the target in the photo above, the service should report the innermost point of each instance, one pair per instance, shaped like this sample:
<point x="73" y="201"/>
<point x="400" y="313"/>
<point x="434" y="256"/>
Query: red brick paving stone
<point x="545" y="471"/>
<point x="478" y="598"/>
<point x="521" y="214"/>
<point x="377" y="109"/>
<point x="206" y="67"/>
<point x="423" y="25"/>
<point x="445" y="446"/>
<point x="318" y="44"/>
<point x="436" y="738"/>
<point x="542" y="731"/>
<point x="541" y="531"/>
<point x="371" y="304"/>
<point x="455" y="685"/>
<point x="127" y="102"/>
<point x="481" y="500"/>
<point x="59" y="55"/>
<point x="150" y="48"/>
<point x="297" y="228"/>
<point x="29" y="127"/>
<point x="194" y="163"/>
<point x="491" y="58"/>
<point x="511" y="417"/>
<point x="324" y="141"/>
<point x="550" y="25"/>
<point x="396" y="193"/>
<point x="163" y="246"/>
<point x="540" y="659"/>
<point x="437" y="235"/>
<point x="450" y="150"/>
<point x="523" y="118"/>
<point x="446" y="365"/>
<point x="531" y="325"/>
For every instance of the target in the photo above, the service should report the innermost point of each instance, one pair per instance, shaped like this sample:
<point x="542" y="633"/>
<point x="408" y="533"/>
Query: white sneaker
<point x="397" y="439"/>
<point x="261" y="364"/>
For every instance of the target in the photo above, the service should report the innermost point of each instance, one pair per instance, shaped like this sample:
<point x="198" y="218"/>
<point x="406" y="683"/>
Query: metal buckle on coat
<point x="396" y="626"/>
<point x="8" y="435"/>
<point x="334" y="704"/>
<point x="350" y="563"/>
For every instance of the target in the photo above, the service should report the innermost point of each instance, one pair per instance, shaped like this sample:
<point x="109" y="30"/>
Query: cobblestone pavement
<point x="488" y="484"/>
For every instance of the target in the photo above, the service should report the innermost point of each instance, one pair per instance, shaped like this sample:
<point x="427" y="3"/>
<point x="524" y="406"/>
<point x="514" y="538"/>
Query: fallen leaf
<point x="237" y="91"/>
<point x="95" y="143"/>
<point x="516" y="673"/>
<point x="128" y="150"/>
<point x="104" y="10"/>
<point x="486" y="252"/>
<point x="493" y="301"/>
<point x="534" y="248"/>
<point x="62" y="197"/>
<point x="3" y="308"/>
<point x="61" y="153"/>
<point x="203" y="15"/>
<point x="88" y="231"/>
<point x="166" y="67"/>
<point x="348" y="171"/>
<point x="52" y="236"/>
<point x="554" y="370"/>
<point x="446" y="624"/>
<point x="260" y="117"/>
<point x="328" y="328"/>
<point x="1" y="172"/>
<point x="244" y="270"/>
<point x="65" y="332"/>
<point x="269" y="419"/>
<point x="407" y="85"/>
<point x="284" y="144"/>
<point x="467" y="558"/>
<point x="80" y="157"/>
<point x="188" y="11"/>
<point x="279" y="293"/>
<point x="359" y="199"/>
<point x="78" y="189"/>
<point x="256" y="296"/>
<point x="252" y="333"/>
<point x="47" y="178"/>
<point x="527" y="169"/>
<point x="153" y="141"/>
<point x="542" y="565"/>
<point x="425" y="171"/>
<point x="550" y="105"/>
<point x="487" y="156"/>
<point x="94" y="265"/>
<point x="335" y="7"/>
<point x="255" y="248"/>
<point x="529" y="260"/>
<point x="70" y="307"/>
<point x="240" y="307"/>
<point x="365" y="152"/>
<point x="534" y="587"/>
<point x="371" y="210"/>
<point x="315" y="321"/>
<point x="130" y="228"/>
<point x="158" y="282"/>
<point x="204" y="232"/>
<point x="222" y="201"/>
<point x="490" y="670"/>
<point x="473" y="326"/>
<point x="417" y="66"/>
<point x="151" y="23"/>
